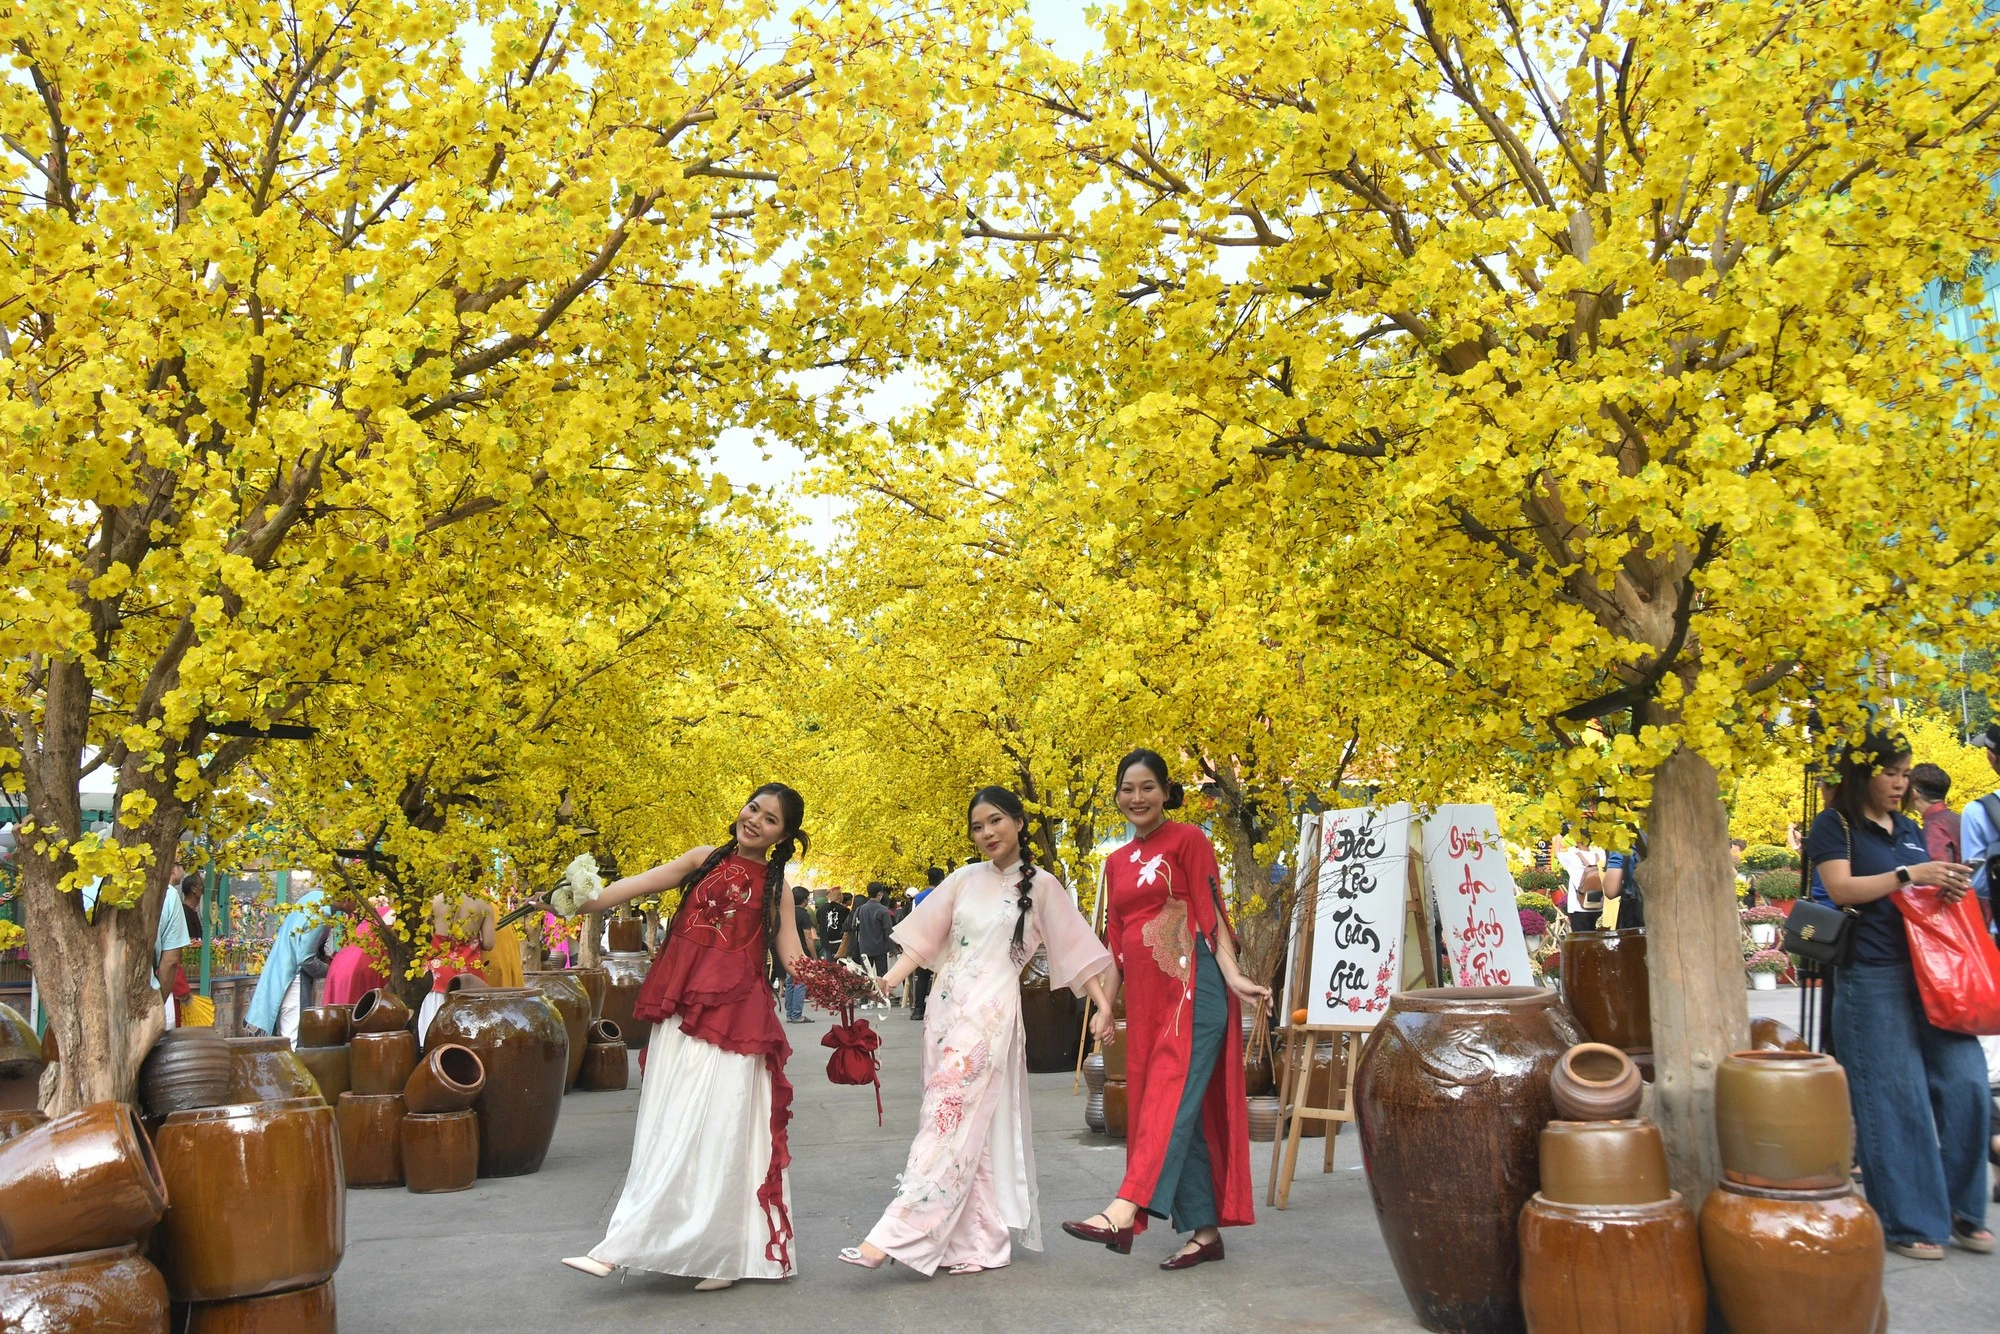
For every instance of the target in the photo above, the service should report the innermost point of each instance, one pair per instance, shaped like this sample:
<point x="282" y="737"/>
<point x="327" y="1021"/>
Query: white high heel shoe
<point x="583" y="1264"/>
<point x="714" y="1284"/>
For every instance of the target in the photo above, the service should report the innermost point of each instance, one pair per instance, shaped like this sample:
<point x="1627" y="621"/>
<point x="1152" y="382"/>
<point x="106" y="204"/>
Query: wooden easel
<point x="1302" y="1040"/>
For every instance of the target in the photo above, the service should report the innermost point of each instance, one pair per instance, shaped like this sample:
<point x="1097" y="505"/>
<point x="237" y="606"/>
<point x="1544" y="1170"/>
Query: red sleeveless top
<point x="710" y="975"/>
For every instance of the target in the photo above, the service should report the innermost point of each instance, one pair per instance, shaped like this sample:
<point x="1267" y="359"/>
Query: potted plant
<point x="1760" y="857"/>
<point x="1779" y="887"/>
<point x="1764" y="967"/>
<point x="1762" y="922"/>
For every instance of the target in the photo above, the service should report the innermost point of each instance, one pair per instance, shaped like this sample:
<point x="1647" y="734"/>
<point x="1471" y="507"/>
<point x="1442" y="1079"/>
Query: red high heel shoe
<point x="1201" y="1255"/>
<point x="1118" y="1239"/>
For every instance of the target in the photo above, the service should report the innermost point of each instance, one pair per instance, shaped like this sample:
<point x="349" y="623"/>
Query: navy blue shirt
<point x="1880" y="937"/>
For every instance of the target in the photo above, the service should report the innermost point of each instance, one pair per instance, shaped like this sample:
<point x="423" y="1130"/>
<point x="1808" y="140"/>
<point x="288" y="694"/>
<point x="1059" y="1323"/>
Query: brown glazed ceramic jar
<point x="606" y="1067"/>
<point x="1604" y="1163"/>
<point x="371" y="1139"/>
<point x="1633" y="1268"/>
<point x="1595" y="1082"/>
<point x="329" y="1069"/>
<point x="380" y="1063"/>
<point x="604" y="1030"/>
<point x="1259" y="1075"/>
<point x="82" y="1182"/>
<point x="267" y="1070"/>
<point x="593" y="981"/>
<point x="1451" y="1098"/>
<point x="448" y="1079"/>
<point x="21" y="1061"/>
<point x="1783" y="1120"/>
<point x="1793" y="1262"/>
<point x="1114" y="1108"/>
<point x="1114" y="1051"/>
<point x="623" y="975"/>
<point x="1775" y="1035"/>
<point x="302" y="1311"/>
<point x="380" y="1011"/>
<point x="518" y="1036"/>
<point x="1264" y="1117"/>
<point x="572" y="1002"/>
<point x="625" y="935"/>
<point x="113" y="1291"/>
<point x="187" y="1068"/>
<point x="258" y="1199"/>
<point x="1605" y="986"/>
<point x="440" y="1151"/>
<point x="326" y="1025"/>
<point x="20" y="1121"/>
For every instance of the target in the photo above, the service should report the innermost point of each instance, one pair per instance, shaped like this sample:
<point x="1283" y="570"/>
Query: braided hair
<point x="1004" y="801"/>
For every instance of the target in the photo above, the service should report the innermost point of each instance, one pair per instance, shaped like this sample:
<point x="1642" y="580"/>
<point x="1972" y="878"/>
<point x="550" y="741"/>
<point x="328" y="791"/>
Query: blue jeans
<point x="1920" y="1105"/>
<point x="795" y="1000"/>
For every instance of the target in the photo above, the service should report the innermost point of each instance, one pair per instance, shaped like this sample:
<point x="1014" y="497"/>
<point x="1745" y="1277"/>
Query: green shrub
<point x="1543" y="882"/>
<point x="1767" y="857"/>
<point x="1536" y="901"/>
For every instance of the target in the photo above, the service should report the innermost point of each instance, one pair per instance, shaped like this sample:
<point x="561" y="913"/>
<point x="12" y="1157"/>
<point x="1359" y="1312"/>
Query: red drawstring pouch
<point x="1957" y="966"/>
<point x="854" y="1060"/>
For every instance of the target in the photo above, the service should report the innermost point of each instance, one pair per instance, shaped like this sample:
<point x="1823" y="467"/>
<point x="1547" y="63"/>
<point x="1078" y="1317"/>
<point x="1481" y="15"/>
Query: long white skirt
<point x="699" y="1156"/>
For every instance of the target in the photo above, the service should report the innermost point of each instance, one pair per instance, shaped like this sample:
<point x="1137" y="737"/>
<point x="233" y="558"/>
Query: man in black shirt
<point x="871" y="929"/>
<point x="832" y="923"/>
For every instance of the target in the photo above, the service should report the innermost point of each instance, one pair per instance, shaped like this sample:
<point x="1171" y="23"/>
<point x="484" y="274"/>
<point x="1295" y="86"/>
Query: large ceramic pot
<point x="1114" y="1050"/>
<point x="111" y="1291"/>
<point x="187" y="1068"/>
<point x="593" y="981"/>
<point x="21" y="1061"/>
<point x="371" y="1139"/>
<point x="1259" y="1074"/>
<point x="268" y="1070"/>
<point x="607" y="1067"/>
<point x="572" y="1002"/>
<point x="80" y="1183"/>
<point x="448" y="1079"/>
<point x="518" y="1036"/>
<point x="1451" y="1098"/>
<point x="1633" y="1268"/>
<point x="625" y="935"/>
<point x="1264" y="1117"/>
<point x="1052" y="1019"/>
<point x="441" y="1151"/>
<point x="258" y="1199"/>
<point x="380" y="1011"/>
<point x="20" y="1121"/>
<point x="1114" y="1108"/>
<point x="1604" y="983"/>
<point x="1793" y="1262"/>
<point x="380" y="1063"/>
<point x="1775" y="1035"/>
<point x="1783" y="1121"/>
<point x="1595" y="1082"/>
<point x="304" y="1311"/>
<point x="623" y="975"/>
<point x="1603" y="1163"/>
<point x="329" y="1069"/>
<point x="326" y="1025"/>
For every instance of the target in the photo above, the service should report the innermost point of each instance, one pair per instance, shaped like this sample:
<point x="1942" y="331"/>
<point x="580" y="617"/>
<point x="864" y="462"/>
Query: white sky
<point x="749" y="461"/>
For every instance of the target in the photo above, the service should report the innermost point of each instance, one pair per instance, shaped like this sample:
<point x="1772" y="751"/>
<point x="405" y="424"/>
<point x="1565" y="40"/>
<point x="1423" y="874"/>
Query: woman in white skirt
<point x="707" y="1195"/>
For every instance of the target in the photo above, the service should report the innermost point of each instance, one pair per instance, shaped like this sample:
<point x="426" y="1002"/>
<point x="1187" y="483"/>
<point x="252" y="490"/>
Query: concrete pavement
<point x="485" y="1260"/>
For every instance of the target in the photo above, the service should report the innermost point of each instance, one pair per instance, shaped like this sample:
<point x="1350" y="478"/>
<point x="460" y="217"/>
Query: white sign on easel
<point x="1472" y="893"/>
<point x="1357" y="932"/>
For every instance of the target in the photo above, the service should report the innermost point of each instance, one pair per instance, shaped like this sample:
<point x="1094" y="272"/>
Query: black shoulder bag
<point x="1822" y="932"/>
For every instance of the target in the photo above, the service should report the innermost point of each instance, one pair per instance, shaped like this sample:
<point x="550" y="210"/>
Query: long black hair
<point x="792" y="838"/>
<point x="1151" y="761"/>
<point x="1004" y="801"/>
<point x="1855" y="765"/>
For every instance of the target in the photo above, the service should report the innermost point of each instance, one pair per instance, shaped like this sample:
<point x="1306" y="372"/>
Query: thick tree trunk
<point x="94" y="980"/>
<point x="590" y="951"/>
<point x="1695" y="958"/>
<point x="1260" y="932"/>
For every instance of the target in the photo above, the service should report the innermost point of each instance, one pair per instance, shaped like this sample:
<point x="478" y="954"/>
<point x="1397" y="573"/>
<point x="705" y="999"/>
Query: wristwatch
<point x="1902" y="875"/>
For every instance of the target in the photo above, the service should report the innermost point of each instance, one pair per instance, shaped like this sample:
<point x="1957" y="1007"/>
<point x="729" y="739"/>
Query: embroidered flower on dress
<point x="1170" y="940"/>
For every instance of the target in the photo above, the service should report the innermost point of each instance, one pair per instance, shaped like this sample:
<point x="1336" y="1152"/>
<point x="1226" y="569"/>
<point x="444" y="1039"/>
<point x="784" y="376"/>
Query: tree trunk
<point x="1694" y="956"/>
<point x="1260" y="932"/>
<point x="590" y="951"/>
<point x="93" y="978"/>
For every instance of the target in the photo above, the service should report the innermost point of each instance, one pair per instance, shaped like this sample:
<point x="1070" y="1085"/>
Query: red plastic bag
<point x="1958" y="968"/>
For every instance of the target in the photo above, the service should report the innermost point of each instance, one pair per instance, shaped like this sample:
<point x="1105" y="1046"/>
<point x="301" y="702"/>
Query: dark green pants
<point x="1185" y="1191"/>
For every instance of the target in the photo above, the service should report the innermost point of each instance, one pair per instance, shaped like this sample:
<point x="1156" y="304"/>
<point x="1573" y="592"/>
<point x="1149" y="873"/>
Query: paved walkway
<point x="485" y="1260"/>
